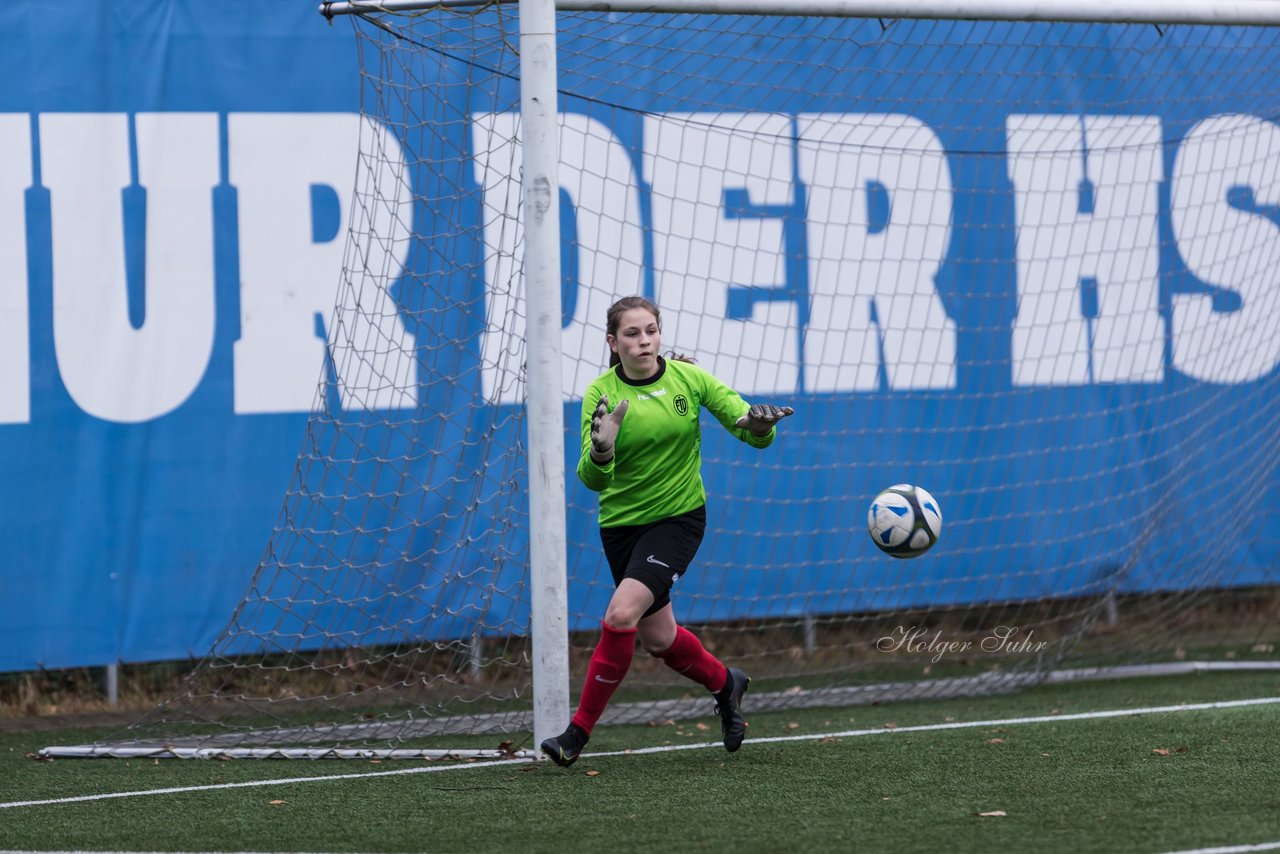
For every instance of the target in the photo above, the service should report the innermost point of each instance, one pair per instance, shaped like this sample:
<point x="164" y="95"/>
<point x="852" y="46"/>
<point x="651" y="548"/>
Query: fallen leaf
<point x="1182" y="750"/>
<point x="992" y="814"/>
<point x="702" y="726"/>
<point x="995" y="741"/>
<point x="890" y="725"/>
<point x="1163" y="751"/>
<point x="793" y="725"/>
<point x="592" y="774"/>
<point x="277" y="803"/>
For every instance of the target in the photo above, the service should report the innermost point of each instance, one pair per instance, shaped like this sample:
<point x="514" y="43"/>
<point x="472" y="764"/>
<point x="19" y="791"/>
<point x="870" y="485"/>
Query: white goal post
<point x="549" y="599"/>
<point x="1015" y="252"/>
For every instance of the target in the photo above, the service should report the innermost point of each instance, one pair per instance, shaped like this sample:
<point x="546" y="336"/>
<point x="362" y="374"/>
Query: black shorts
<point x="656" y="554"/>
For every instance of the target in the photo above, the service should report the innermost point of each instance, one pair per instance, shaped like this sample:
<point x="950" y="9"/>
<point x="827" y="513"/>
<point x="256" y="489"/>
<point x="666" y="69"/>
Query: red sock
<point x="688" y="657"/>
<point x="609" y="664"/>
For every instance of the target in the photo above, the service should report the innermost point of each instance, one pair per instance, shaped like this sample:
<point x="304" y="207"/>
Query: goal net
<point x="1028" y="266"/>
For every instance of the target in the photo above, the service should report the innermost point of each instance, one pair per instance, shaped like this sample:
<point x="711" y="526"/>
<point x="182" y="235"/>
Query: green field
<point x="1063" y="785"/>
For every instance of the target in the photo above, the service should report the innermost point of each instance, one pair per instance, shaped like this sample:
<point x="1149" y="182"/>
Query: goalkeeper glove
<point x="604" y="429"/>
<point x="761" y="417"/>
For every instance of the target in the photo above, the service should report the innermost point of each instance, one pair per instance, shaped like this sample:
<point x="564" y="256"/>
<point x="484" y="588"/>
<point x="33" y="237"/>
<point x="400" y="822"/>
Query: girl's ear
<point x="612" y="342"/>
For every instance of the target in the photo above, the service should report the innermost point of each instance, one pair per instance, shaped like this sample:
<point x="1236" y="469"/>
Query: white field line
<point x="853" y="733"/>
<point x="1225" y="849"/>
<point x="1228" y="849"/>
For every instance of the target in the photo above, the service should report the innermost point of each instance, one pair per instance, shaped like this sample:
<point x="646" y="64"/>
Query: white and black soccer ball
<point x="904" y="521"/>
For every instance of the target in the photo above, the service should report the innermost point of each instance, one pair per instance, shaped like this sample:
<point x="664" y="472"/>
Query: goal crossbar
<point x="1214" y="12"/>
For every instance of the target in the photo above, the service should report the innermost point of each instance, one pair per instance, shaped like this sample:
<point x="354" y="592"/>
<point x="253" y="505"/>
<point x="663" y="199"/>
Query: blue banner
<point x="176" y="186"/>
<point x="138" y="508"/>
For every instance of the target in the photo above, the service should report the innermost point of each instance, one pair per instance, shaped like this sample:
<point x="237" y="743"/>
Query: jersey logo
<point x="682" y="404"/>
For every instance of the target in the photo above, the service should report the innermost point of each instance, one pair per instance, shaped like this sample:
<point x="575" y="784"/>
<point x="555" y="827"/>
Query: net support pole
<point x="540" y="202"/>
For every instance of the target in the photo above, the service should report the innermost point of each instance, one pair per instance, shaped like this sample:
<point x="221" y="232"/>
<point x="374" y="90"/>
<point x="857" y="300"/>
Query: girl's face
<point x="637" y="342"/>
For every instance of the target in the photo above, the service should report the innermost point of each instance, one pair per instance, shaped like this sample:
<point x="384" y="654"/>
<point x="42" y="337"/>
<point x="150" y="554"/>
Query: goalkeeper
<point x="643" y="457"/>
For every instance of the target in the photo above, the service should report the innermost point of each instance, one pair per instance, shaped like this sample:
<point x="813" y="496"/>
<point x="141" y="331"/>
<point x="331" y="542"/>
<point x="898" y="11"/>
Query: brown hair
<point x="614" y="317"/>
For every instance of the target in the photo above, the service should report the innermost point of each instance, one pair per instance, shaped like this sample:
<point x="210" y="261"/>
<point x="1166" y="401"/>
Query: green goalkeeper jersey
<point x="656" y="470"/>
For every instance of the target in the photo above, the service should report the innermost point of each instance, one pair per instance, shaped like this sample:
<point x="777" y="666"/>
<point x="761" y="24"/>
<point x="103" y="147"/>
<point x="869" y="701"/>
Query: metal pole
<point x="540" y="212"/>
<point x="1220" y="12"/>
<point x="113" y="683"/>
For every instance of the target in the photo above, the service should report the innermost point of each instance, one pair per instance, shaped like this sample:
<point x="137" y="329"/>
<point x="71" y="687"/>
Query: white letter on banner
<point x="894" y="268"/>
<point x="1229" y="248"/>
<point x="287" y="280"/>
<point x="15" y="335"/>
<point x="595" y="170"/>
<point x="112" y="370"/>
<point x="1065" y="238"/>
<point x="705" y="247"/>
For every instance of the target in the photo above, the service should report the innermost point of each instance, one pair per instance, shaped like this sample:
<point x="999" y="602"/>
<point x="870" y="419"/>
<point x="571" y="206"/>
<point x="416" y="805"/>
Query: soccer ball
<point x="904" y="521"/>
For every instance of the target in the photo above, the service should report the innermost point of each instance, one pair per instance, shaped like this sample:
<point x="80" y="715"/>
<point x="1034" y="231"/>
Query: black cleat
<point x="729" y="708"/>
<point x="565" y="747"/>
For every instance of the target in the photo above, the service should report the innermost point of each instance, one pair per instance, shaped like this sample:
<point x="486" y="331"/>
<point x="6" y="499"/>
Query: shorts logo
<point x="682" y="404"/>
<point x="652" y="559"/>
